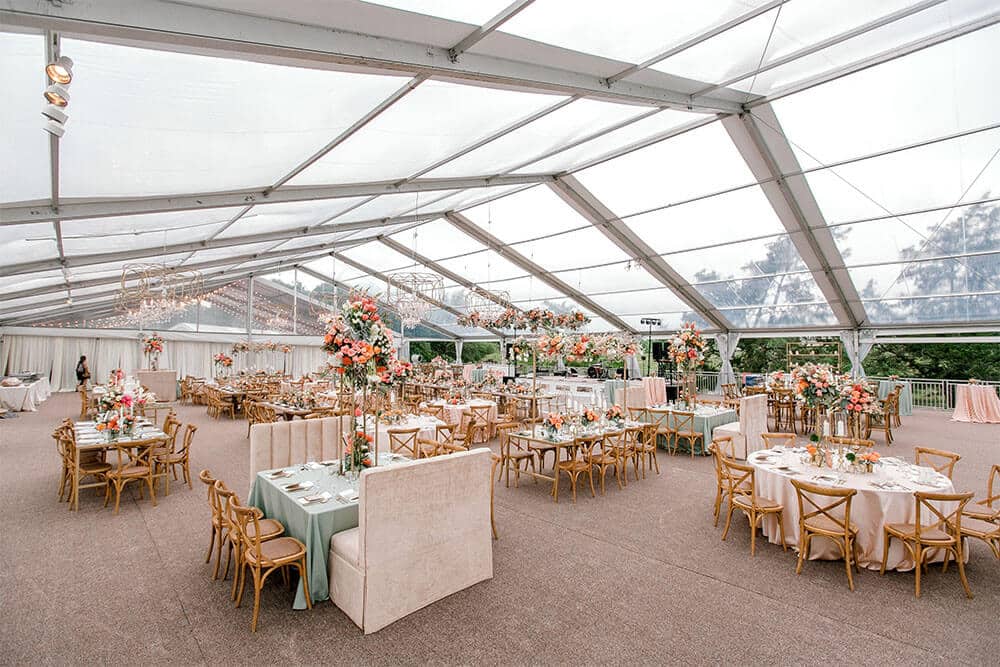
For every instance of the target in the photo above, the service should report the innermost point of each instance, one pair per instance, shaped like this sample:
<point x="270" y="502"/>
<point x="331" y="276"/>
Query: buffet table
<point x="161" y="383"/>
<point x="976" y="403"/>
<point x="25" y="397"/>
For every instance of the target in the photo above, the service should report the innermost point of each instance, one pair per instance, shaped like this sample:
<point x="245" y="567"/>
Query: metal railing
<point x="927" y="393"/>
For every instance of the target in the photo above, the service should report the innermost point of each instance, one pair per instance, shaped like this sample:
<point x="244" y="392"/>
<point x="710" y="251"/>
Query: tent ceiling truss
<point x="171" y="26"/>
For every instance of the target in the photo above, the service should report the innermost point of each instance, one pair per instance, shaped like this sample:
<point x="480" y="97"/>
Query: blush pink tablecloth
<point x="656" y="390"/>
<point x="871" y="508"/>
<point x="976" y="403"/>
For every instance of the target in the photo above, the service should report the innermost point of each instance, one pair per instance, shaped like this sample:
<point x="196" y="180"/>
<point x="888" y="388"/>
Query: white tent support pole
<point x="482" y="31"/>
<point x="167" y="25"/>
<point x="882" y="57"/>
<point x="389" y="281"/>
<point x="697" y="39"/>
<point x="584" y="202"/>
<point x="16" y="213"/>
<point x="383" y="304"/>
<point x="462" y="223"/>
<point x="444" y="271"/>
<point x="769" y="156"/>
<point x="880" y="22"/>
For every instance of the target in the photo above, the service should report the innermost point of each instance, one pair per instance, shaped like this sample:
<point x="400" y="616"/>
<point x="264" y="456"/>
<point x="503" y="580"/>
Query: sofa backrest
<point x="284" y="443"/>
<point x="424" y="532"/>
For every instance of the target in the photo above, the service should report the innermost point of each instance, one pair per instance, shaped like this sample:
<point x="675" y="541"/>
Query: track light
<point x="53" y="112"/>
<point x="61" y="70"/>
<point x="57" y="94"/>
<point x="54" y="128"/>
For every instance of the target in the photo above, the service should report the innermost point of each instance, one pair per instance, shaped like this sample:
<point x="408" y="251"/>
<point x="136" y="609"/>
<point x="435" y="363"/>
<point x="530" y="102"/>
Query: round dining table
<point x="883" y="496"/>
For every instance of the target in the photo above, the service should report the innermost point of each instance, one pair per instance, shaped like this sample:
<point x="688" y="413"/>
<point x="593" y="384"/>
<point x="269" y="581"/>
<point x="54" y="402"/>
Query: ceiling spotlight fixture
<point x="57" y="94"/>
<point x="61" y="70"/>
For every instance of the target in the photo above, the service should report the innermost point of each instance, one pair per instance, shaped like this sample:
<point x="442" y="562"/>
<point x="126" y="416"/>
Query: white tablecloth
<point x="425" y="423"/>
<point x="871" y="508"/>
<point x="25" y="397"/>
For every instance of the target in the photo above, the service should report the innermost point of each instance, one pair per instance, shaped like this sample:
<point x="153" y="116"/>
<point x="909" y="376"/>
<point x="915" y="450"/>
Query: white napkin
<point x="348" y="495"/>
<point x="299" y="486"/>
<point x="316" y="498"/>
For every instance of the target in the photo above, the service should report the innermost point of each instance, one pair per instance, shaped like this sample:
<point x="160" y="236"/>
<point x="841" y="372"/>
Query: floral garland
<point x="263" y="346"/>
<point x="152" y="343"/>
<point x="687" y="348"/>
<point x="520" y="351"/>
<point x="582" y="347"/>
<point x="531" y="320"/>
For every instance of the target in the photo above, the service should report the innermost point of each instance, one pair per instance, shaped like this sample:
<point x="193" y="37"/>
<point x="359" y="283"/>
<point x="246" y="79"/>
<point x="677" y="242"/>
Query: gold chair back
<point x="940" y="460"/>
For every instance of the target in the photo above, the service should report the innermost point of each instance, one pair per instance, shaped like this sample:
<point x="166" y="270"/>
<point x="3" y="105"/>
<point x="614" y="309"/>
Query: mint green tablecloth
<point x="905" y="395"/>
<point x="705" y="422"/>
<point x="313" y="525"/>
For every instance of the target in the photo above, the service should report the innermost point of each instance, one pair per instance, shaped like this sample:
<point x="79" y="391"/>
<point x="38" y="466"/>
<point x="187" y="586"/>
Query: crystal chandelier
<point x="153" y="293"/>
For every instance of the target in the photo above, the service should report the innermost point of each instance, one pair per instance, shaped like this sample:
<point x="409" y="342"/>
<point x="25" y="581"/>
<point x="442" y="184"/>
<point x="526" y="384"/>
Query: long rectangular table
<point x="705" y="421"/>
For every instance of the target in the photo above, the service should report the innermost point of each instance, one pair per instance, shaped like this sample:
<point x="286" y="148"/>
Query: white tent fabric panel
<point x="432" y="122"/>
<point x="151" y="122"/>
<point x="26" y="176"/>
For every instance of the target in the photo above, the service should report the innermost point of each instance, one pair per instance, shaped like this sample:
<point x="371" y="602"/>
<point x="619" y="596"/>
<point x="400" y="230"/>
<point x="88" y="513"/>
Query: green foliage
<point x="474" y="353"/>
<point x="428" y="349"/>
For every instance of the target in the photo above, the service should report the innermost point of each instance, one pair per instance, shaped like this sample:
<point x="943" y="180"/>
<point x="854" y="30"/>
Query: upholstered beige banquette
<point x="283" y="443"/>
<point x="746" y="432"/>
<point x="423" y="533"/>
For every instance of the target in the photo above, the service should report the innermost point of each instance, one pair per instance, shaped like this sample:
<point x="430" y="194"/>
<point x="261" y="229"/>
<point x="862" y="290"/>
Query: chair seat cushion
<point x="980" y="529"/>
<point x="268" y="528"/>
<point x="129" y="471"/>
<point x="521" y="455"/>
<point x="346" y="544"/>
<point x="927" y="534"/>
<point x="762" y="503"/>
<point x="690" y="434"/>
<point x="825" y="524"/>
<point x="981" y="511"/>
<point x="281" y="548"/>
<point x="94" y="466"/>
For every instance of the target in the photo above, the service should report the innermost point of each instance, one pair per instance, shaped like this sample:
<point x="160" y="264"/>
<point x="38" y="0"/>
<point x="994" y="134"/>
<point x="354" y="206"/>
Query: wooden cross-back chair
<point x="826" y="512"/>
<point x="404" y="440"/>
<point x="932" y="531"/>
<point x="743" y="496"/>
<point x="940" y="460"/>
<point x="721" y="447"/>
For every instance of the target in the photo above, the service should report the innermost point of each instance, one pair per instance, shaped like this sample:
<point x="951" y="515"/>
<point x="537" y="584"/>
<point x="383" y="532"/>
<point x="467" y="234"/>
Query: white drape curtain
<point x="857" y="345"/>
<point x="56" y="356"/>
<point x="727" y="343"/>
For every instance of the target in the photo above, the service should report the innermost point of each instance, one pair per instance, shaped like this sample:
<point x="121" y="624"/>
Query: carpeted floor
<point x="638" y="575"/>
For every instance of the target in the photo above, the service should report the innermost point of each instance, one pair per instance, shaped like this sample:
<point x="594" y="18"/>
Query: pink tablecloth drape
<point x="656" y="390"/>
<point x="976" y="403"/>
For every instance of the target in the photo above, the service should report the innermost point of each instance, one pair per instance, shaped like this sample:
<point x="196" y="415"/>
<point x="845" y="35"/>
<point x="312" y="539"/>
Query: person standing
<point x="82" y="372"/>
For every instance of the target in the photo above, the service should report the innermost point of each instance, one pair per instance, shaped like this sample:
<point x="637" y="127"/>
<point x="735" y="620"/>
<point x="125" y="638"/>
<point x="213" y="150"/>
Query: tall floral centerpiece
<point x="152" y="346"/>
<point x="816" y="387"/>
<point x="856" y="398"/>
<point x="687" y="350"/>
<point x="222" y="362"/>
<point x="616" y="347"/>
<point x="362" y="348"/>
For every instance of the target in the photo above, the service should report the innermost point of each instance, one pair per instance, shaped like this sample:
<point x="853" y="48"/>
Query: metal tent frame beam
<point x="172" y="26"/>
<point x="462" y="223"/>
<point x="770" y="158"/>
<point x="570" y="190"/>
<point x="389" y="281"/>
<point x="339" y="285"/>
<point x="443" y="270"/>
<point x="19" y="213"/>
<point x="477" y="35"/>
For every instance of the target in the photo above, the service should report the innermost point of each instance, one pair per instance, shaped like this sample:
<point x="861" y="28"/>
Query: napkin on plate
<point x="321" y="497"/>
<point x="299" y="486"/>
<point x="278" y="474"/>
<point x="348" y="495"/>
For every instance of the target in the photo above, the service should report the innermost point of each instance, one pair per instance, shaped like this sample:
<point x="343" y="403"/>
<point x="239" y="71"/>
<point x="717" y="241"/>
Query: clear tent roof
<point x="751" y="166"/>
